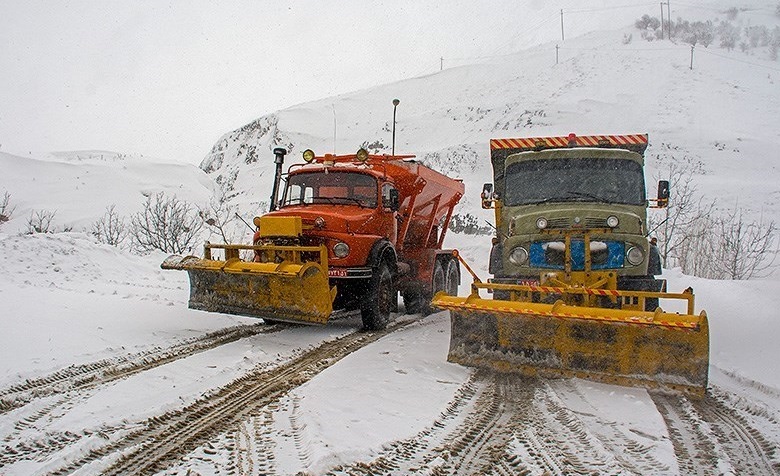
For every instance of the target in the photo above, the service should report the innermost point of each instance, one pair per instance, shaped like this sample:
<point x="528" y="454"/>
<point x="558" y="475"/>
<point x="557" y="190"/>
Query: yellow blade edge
<point x="653" y="350"/>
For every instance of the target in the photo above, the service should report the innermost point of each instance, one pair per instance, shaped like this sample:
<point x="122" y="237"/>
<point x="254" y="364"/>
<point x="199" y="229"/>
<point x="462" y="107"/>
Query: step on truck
<point x="347" y="232"/>
<point x="571" y="295"/>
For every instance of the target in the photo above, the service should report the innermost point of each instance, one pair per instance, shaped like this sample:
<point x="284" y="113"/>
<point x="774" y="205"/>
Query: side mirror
<point x="663" y="193"/>
<point x="487" y="195"/>
<point x="394" y="204"/>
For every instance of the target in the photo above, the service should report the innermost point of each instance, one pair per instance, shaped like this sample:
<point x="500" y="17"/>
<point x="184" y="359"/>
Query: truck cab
<point x="374" y="214"/>
<point x="587" y="192"/>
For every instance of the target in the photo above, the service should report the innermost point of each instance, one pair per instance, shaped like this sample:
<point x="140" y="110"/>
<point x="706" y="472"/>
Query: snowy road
<point x="110" y="373"/>
<point x="493" y="424"/>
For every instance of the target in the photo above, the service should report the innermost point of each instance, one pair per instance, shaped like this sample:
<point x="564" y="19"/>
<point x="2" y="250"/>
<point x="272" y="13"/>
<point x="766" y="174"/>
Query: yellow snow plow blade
<point x="290" y="283"/>
<point x="618" y="343"/>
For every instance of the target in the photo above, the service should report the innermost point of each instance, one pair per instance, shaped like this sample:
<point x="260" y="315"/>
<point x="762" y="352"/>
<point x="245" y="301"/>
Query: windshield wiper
<point x="585" y="195"/>
<point x="538" y="202"/>
<point x="337" y="200"/>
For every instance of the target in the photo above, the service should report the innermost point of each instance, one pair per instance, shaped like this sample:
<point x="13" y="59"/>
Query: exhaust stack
<point x="279" y="154"/>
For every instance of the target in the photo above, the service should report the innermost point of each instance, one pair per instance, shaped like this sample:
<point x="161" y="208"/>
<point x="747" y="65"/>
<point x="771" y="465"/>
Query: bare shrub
<point x="743" y="250"/>
<point x="110" y="229"/>
<point x="218" y="215"/>
<point x="40" y="221"/>
<point x="704" y="241"/>
<point x="6" y="209"/>
<point x="166" y="224"/>
<point x="683" y="217"/>
<point x="647" y="23"/>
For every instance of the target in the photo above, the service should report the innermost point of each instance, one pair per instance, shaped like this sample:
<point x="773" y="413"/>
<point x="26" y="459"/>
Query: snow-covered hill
<point x="77" y="187"/>
<point x="717" y="113"/>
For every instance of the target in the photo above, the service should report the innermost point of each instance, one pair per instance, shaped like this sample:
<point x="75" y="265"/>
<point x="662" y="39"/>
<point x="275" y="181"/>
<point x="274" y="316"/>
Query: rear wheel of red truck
<point x="375" y="309"/>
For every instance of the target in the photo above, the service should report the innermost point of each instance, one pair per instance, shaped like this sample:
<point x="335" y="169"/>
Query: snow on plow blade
<point x="292" y="291"/>
<point x="623" y="347"/>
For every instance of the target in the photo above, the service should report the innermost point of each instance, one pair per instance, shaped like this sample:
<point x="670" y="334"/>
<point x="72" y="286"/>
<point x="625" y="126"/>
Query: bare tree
<point x="110" y="229"/>
<point x="218" y="214"/>
<point x="166" y="224"/>
<point x="743" y="250"/>
<point x="40" y="221"/>
<point x="6" y="210"/>
<point x="685" y="219"/>
<point x="729" y="35"/>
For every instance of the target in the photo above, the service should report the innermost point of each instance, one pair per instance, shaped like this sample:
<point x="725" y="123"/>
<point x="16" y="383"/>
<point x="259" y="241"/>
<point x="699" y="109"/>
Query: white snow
<point x="66" y="300"/>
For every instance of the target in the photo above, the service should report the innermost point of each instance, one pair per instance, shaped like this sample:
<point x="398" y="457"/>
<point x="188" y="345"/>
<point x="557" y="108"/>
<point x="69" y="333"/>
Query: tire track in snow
<point x="708" y="434"/>
<point x="497" y="424"/>
<point x="468" y="417"/>
<point x="55" y="394"/>
<point x="748" y="451"/>
<point x="92" y="374"/>
<point x="507" y="425"/>
<point x="163" y="439"/>
<point x="630" y="453"/>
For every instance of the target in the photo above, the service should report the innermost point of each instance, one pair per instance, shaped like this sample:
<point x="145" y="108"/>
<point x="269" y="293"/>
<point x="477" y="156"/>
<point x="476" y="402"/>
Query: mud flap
<point x="654" y="350"/>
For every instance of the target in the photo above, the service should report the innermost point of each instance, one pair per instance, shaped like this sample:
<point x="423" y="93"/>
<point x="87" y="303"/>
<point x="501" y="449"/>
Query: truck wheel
<point x="452" y="278"/>
<point x="413" y="301"/>
<point x="438" y="283"/>
<point x="375" y="310"/>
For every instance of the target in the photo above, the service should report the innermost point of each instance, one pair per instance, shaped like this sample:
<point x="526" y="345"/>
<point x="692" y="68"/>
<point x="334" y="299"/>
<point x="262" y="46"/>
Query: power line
<point x="536" y="26"/>
<point x="614" y="7"/>
<point x="758" y="11"/>
<point x="622" y="49"/>
<point x="738" y="60"/>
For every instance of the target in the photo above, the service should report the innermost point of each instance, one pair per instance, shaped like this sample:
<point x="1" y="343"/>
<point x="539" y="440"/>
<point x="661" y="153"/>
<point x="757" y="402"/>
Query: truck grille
<point x="587" y="222"/>
<point x="551" y="254"/>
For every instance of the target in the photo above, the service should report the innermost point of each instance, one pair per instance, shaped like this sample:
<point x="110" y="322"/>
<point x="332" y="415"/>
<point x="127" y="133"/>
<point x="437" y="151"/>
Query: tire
<point x="451" y="278"/>
<point x="438" y="283"/>
<point x="375" y="310"/>
<point x="413" y="301"/>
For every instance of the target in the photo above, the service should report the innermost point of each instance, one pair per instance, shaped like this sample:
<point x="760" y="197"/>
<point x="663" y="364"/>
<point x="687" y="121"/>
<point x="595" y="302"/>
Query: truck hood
<point x="338" y="218"/>
<point x="522" y="220"/>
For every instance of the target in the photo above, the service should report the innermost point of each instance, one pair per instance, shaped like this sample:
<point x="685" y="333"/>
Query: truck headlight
<point x="541" y="223"/>
<point x="612" y="221"/>
<point x="635" y="255"/>
<point x="341" y="250"/>
<point x="518" y="256"/>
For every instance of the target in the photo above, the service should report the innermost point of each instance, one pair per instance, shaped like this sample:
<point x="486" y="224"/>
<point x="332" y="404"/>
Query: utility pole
<point x="692" y="56"/>
<point x="562" y="39"/>
<point x="669" y="20"/>
<point x="396" y="102"/>
<point x="662" y="20"/>
<point x="441" y="63"/>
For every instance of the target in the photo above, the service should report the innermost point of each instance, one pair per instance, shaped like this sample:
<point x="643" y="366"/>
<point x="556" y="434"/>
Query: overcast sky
<point x="169" y="78"/>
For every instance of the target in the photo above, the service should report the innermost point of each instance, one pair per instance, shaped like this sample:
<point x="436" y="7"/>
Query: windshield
<point x="575" y="180"/>
<point x="338" y="188"/>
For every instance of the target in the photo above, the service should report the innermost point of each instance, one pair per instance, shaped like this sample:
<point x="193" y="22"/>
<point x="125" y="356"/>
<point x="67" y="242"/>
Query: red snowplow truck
<point x="348" y="232"/>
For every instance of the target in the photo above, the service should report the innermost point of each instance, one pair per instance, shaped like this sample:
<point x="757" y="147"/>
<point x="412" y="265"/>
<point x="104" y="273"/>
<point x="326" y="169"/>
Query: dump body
<point x="348" y="232"/>
<point x="571" y="294"/>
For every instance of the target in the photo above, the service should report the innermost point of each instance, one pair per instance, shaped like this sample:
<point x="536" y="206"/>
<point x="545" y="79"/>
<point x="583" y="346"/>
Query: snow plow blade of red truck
<point x="292" y="289"/>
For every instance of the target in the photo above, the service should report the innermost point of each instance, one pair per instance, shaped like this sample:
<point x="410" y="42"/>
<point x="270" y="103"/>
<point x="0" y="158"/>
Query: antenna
<point x="334" y="128"/>
<point x="396" y="102"/>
